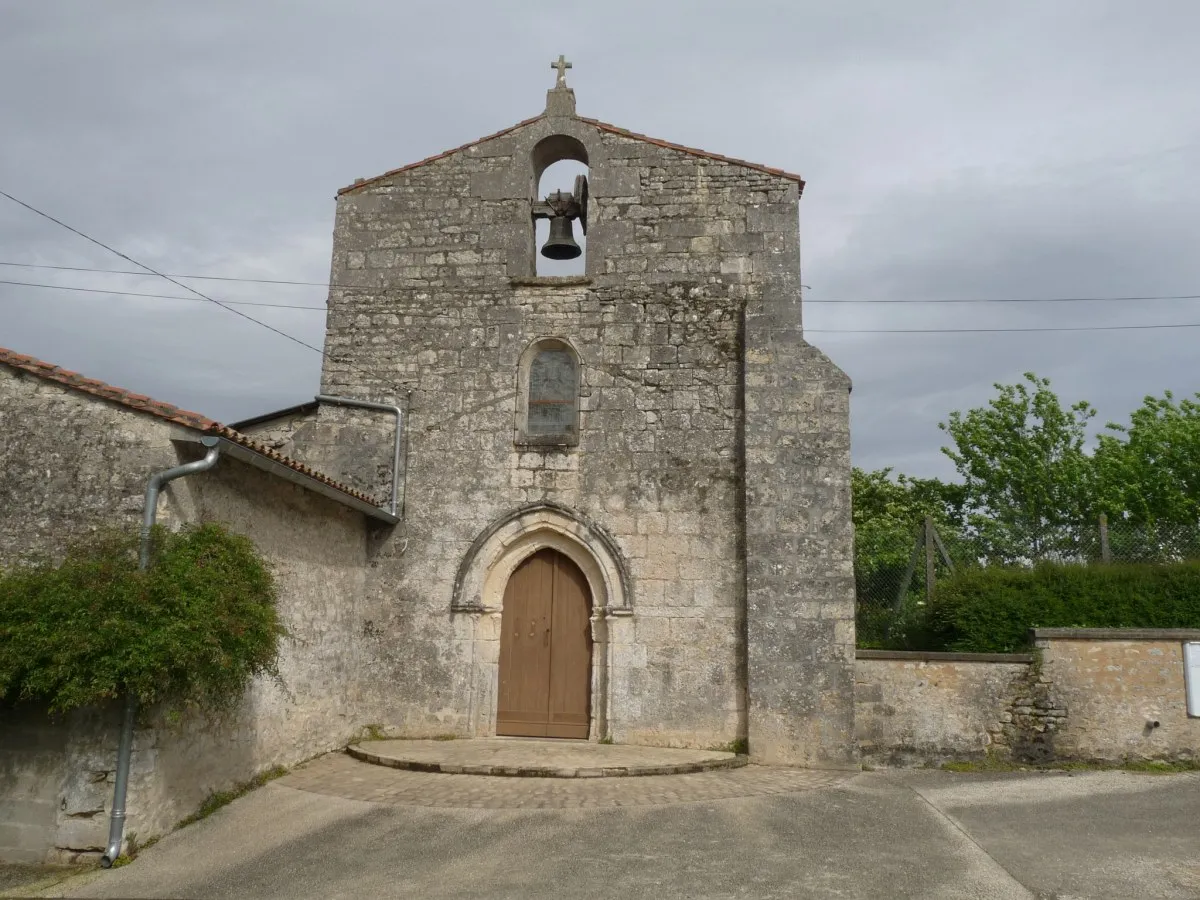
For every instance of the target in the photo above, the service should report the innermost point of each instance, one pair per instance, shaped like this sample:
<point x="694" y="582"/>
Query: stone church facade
<point x="658" y="424"/>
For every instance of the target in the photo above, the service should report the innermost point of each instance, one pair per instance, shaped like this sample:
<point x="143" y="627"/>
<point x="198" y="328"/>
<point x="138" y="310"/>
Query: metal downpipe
<point x="398" y="447"/>
<point x="116" y="825"/>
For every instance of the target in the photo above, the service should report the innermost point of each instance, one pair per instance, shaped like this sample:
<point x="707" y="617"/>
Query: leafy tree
<point x="1026" y="476"/>
<point x="888" y="510"/>
<point x="887" y="513"/>
<point x="197" y="626"/>
<point x="1148" y="480"/>
<point x="1149" y="470"/>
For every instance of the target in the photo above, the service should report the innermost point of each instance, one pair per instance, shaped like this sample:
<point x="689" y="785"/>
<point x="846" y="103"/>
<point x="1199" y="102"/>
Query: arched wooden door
<point x="545" y="650"/>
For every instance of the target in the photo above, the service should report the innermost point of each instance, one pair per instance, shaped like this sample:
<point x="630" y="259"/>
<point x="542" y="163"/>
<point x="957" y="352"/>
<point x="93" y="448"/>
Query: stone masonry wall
<point x="1118" y="694"/>
<point x="56" y="774"/>
<point x="69" y="464"/>
<point x="925" y="708"/>
<point x="433" y="294"/>
<point x="1087" y="694"/>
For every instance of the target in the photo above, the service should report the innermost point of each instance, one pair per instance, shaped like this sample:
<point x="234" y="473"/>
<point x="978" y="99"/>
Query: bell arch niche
<point x="559" y="200"/>
<point x="484" y="574"/>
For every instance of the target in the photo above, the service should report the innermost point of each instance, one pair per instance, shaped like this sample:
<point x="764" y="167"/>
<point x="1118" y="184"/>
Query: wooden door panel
<point x="545" y="650"/>
<point x="525" y="648"/>
<point x="570" y="653"/>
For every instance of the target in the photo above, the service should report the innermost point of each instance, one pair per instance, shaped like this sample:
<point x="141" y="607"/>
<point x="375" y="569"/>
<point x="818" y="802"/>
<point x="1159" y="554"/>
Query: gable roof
<point x="165" y="411"/>
<point x="596" y="123"/>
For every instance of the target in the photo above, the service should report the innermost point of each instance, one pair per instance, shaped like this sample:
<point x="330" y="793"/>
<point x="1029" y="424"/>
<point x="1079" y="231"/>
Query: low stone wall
<point x="1085" y="694"/>
<point x="913" y="708"/>
<point x="1121" y="692"/>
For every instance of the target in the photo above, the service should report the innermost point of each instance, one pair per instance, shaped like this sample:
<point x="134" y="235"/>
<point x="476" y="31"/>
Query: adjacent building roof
<point x="603" y="126"/>
<point x="193" y="420"/>
<point x="299" y="409"/>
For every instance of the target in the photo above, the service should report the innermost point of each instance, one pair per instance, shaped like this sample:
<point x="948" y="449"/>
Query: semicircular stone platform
<point x="536" y="758"/>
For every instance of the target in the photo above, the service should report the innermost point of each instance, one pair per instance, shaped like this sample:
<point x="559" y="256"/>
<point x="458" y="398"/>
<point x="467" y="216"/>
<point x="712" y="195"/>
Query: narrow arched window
<point x="550" y="394"/>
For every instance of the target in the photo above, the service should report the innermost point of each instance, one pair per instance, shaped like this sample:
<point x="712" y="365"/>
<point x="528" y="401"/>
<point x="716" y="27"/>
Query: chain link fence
<point x="895" y="571"/>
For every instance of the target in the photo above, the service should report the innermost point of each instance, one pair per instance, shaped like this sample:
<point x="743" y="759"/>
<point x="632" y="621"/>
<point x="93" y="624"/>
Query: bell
<point x="561" y="243"/>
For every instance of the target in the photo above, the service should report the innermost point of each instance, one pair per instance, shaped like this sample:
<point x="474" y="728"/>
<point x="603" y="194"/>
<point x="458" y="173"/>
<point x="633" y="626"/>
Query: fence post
<point x="1105" y="549"/>
<point x="930" y="559"/>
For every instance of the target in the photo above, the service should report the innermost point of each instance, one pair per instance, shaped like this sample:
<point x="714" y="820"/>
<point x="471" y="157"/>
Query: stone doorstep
<point x="717" y="760"/>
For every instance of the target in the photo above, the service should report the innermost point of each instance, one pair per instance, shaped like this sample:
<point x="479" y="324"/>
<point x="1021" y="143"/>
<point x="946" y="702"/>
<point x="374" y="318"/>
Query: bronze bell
<point x="561" y="242"/>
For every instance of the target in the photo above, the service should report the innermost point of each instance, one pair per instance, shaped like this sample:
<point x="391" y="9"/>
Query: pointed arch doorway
<point x="545" y="650"/>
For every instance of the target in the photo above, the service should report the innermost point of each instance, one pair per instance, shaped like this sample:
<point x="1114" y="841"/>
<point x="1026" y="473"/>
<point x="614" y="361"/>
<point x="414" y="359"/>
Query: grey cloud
<point x="1014" y="150"/>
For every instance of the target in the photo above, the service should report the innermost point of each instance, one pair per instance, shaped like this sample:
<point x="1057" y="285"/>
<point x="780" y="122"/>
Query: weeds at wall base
<point x="223" y="798"/>
<point x="994" y="763"/>
<point x="737" y="745"/>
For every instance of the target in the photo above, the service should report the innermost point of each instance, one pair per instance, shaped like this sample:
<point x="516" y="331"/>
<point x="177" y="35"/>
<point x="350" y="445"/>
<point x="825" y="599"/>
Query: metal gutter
<point x="116" y="824"/>
<point x="297" y="410"/>
<point x="266" y="464"/>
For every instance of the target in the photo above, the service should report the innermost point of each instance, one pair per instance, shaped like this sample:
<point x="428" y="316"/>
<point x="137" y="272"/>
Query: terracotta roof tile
<point x="658" y="142"/>
<point x="596" y="123"/>
<point x="187" y="418"/>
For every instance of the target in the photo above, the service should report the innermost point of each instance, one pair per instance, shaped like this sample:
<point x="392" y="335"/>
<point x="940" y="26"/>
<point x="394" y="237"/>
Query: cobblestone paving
<point x="339" y="775"/>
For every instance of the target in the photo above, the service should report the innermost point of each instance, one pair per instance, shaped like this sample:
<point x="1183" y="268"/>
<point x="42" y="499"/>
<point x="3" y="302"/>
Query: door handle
<point x="546" y="638"/>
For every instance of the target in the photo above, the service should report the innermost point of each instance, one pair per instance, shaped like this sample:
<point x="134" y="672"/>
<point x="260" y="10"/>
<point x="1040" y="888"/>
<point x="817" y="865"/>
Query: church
<point x="626" y="507"/>
<point x="606" y="505"/>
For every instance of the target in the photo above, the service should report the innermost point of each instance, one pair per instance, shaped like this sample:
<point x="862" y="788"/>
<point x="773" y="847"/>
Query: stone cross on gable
<point x="562" y="65"/>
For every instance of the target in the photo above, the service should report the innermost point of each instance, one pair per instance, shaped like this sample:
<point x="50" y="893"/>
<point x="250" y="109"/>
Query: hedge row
<point x="991" y="610"/>
<point x="198" y="626"/>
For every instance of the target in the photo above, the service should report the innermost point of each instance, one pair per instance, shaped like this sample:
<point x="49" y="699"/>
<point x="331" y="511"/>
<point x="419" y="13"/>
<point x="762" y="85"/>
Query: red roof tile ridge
<point x="625" y="132"/>
<point x="467" y="146"/>
<point x="167" y="411"/>
<point x="603" y="126"/>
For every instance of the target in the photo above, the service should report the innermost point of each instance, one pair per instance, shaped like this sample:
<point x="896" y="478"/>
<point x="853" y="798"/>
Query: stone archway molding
<point x="507" y="542"/>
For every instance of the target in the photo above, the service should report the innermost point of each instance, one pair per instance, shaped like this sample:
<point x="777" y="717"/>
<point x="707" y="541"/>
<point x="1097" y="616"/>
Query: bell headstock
<point x="581" y="200"/>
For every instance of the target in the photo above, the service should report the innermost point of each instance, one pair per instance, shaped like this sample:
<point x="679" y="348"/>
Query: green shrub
<point x="991" y="610"/>
<point x="196" y="627"/>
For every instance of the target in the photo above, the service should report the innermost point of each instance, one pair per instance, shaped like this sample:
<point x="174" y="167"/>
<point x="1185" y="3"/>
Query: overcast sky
<point x="953" y="151"/>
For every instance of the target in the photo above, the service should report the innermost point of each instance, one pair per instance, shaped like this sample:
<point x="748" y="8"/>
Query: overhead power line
<point x="154" y="271"/>
<point x="996" y="330"/>
<point x="1013" y="300"/>
<point x="196" y="277"/>
<point x="807" y="330"/>
<point x="86" y="290"/>
<point x="381" y="290"/>
<point x="62" y="287"/>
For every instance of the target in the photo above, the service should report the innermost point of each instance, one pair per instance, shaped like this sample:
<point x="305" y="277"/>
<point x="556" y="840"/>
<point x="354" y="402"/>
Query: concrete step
<point x="539" y="758"/>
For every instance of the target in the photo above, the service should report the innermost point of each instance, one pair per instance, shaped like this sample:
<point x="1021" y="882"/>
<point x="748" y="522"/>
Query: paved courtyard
<point x="338" y="827"/>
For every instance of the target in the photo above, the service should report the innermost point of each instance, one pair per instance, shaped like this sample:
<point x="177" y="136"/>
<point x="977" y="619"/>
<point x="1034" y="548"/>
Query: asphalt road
<point x="926" y="834"/>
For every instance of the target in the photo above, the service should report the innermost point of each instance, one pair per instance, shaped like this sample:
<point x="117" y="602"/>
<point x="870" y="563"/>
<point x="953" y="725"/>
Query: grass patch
<point x="1144" y="766"/>
<point x="1161" y="766"/>
<point x="737" y="745"/>
<point x="372" y="733"/>
<point x="133" y="848"/>
<point x="219" y="799"/>
<point x="607" y="739"/>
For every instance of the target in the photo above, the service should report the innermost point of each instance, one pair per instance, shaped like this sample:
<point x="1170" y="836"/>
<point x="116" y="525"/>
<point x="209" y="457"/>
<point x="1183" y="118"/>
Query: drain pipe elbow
<point x="116" y="825"/>
<point x="397" y="443"/>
